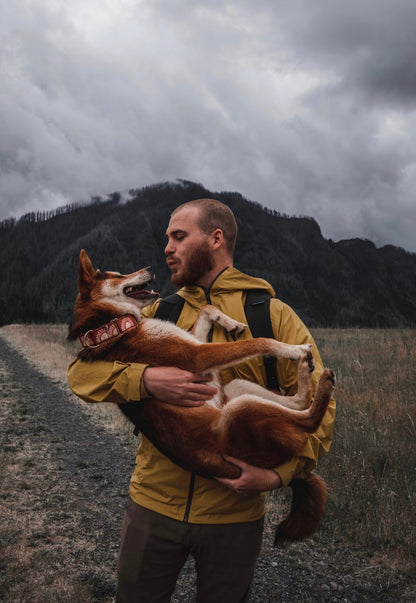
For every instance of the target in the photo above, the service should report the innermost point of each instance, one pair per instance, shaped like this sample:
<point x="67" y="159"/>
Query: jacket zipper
<point x="192" y="480"/>
<point x="190" y="496"/>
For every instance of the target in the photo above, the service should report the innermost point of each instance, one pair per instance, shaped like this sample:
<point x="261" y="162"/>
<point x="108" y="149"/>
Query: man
<point x="173" y="513"/>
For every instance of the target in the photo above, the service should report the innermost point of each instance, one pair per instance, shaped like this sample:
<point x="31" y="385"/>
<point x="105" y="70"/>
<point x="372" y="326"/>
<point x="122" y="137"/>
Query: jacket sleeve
<point x="289" y="328"/>
<point x="100" y="381"/>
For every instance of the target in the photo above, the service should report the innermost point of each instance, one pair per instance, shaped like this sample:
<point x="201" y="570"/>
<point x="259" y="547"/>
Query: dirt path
<point x="63" y="488"/>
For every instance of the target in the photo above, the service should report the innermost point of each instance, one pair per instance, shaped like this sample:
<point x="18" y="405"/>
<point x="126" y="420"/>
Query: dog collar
<point x="116" y="326"/>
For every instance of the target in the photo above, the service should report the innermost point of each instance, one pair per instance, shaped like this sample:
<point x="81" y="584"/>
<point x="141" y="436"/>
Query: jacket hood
<point x="229" y="281"/>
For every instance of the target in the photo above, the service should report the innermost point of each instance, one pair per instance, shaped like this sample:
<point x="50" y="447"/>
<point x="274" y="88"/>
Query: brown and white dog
<point x="243" y="419"/>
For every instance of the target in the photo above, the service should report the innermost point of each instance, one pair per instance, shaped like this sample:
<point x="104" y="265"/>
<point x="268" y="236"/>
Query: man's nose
<point x="168" y="248"/>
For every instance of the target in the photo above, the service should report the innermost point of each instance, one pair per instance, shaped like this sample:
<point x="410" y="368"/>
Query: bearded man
<point x="173" y="513"/>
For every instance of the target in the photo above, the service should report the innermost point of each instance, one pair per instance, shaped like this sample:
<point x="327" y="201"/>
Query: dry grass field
<point x="370" y="471"/>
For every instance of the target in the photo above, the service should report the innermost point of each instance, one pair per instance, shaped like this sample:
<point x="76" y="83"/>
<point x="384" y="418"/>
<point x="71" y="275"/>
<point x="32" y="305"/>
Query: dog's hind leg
<point x="265" y="433"/>
<point x="308" y="419"/>
<point x="300" y="401"/>
<point x="311" y="418"/>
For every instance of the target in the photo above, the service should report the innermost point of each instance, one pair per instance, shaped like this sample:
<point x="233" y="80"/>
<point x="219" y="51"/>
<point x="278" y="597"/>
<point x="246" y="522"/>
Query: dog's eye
<point x="104" y="275"/>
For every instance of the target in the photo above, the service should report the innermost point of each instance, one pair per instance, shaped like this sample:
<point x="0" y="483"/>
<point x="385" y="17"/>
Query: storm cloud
<point x="306" y="107"/>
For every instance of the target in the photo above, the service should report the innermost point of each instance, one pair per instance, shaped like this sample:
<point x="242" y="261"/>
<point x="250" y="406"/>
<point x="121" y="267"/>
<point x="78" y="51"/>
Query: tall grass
<point x="371" y="468"/>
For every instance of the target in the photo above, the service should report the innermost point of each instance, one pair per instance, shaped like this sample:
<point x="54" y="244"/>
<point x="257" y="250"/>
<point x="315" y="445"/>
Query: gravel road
<point x="94" y="474"/>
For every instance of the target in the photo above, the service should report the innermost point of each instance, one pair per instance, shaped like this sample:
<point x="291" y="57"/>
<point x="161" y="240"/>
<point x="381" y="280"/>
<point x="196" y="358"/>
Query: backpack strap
<point x="257" y="310"/>
<point x="170" y="308"/>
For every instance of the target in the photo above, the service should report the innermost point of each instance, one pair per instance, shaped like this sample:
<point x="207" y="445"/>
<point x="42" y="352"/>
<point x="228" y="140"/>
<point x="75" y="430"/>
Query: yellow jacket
<point x="157" y="483"/>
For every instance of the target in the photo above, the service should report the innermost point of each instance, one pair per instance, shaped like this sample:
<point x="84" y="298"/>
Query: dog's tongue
<point x="145" y="293"/>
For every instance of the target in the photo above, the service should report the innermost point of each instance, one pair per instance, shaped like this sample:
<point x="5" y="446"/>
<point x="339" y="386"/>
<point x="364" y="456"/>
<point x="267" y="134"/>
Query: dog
<point x="243" y="419"/>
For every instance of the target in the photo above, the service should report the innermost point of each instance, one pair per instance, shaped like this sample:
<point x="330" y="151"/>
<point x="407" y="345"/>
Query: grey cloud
<point x="365" y="45"/>
<point x="305" y="107"/>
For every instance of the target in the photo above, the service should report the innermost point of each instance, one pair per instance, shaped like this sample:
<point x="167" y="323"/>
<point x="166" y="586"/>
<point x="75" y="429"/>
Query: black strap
<point x="170" y="308"/>
<point x="257" y="310"/>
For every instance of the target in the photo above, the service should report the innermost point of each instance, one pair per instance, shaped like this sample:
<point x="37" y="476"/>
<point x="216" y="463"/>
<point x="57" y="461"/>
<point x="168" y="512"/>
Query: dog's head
<point x="124" y="292"/>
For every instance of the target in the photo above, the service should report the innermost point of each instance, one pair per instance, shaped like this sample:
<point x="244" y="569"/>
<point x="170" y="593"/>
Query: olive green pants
<point x="154" y="548"/>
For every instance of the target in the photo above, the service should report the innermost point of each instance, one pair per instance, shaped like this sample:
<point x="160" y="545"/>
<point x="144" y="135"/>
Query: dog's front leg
<point x="209" y="315"/>
<point x="163" y="344"/>
<point x="203" y="357"/>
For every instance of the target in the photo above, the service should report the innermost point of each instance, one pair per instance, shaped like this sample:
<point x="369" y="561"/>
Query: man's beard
<point x="199" y="263"/>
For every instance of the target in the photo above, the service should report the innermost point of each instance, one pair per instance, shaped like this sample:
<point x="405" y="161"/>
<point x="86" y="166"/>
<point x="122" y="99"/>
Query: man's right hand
<point x="178" y="387"/>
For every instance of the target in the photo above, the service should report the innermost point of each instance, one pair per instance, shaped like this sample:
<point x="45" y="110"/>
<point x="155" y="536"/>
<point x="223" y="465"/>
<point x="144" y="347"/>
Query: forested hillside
<point x="345" y="283"/>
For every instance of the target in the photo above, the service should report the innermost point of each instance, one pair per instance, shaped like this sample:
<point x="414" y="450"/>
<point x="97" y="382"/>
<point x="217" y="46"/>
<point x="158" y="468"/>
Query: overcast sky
<point x="307" y="106"/>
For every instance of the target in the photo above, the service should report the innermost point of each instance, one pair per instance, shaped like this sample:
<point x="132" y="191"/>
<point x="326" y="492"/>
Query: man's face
<point x="188" y="253"/>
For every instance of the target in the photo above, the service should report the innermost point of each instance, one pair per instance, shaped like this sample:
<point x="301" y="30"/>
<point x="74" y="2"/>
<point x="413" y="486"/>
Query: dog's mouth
<point x="140" y="292"/>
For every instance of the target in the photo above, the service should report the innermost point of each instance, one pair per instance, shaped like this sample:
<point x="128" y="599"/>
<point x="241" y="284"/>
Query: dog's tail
<point x="307" y="508"/>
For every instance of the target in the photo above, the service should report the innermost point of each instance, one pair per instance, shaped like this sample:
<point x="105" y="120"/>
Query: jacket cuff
<point x="131" y="382"/>
<point x="287" y="470"/>
<point x="142" y="390"/>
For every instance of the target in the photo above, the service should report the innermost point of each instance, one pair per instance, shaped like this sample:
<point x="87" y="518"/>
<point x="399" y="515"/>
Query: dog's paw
<point x="303" y="352"/>
<point x="306" y="348"/>
<point x="238" y="329"/>
<point x="328" y="379"/>
<point x="308" y="361"/>
<point x="234" y="327"/>
<point x="297" y="352"/>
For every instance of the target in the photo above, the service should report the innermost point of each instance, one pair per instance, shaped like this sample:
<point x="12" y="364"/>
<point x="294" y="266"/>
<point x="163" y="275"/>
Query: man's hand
<point x="252" y="479"/>
<point x="178" y="387"/>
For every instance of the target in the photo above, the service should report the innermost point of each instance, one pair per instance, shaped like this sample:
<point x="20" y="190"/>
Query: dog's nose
<point x="149" y="269"/>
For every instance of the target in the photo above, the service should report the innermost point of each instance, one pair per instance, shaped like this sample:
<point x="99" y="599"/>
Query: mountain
<point x="344" y="283"/>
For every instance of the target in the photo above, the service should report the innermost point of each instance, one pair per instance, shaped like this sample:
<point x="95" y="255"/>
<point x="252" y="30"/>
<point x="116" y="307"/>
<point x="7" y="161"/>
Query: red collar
<point x="116" y="326"/>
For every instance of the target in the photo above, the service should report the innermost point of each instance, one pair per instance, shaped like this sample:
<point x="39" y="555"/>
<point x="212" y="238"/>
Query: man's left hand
<point x="252" y="479"/>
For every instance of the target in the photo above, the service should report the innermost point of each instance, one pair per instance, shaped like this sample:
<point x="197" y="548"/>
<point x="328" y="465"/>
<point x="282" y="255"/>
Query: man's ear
<point x="86" y="274"/>
<point x="217" y="238"/>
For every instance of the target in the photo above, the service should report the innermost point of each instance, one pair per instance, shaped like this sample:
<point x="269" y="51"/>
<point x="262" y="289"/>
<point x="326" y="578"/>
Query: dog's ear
<point x="86" y="274"/>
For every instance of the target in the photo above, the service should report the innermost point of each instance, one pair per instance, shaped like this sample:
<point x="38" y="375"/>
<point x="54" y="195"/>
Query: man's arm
<point x="119" y="382"/>
<point x="252" y="479"/>
<point x="101" y="381"/>
<point x="288" y="328"/>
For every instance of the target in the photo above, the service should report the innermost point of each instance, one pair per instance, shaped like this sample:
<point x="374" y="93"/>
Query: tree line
<point x="333" y="284"/>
